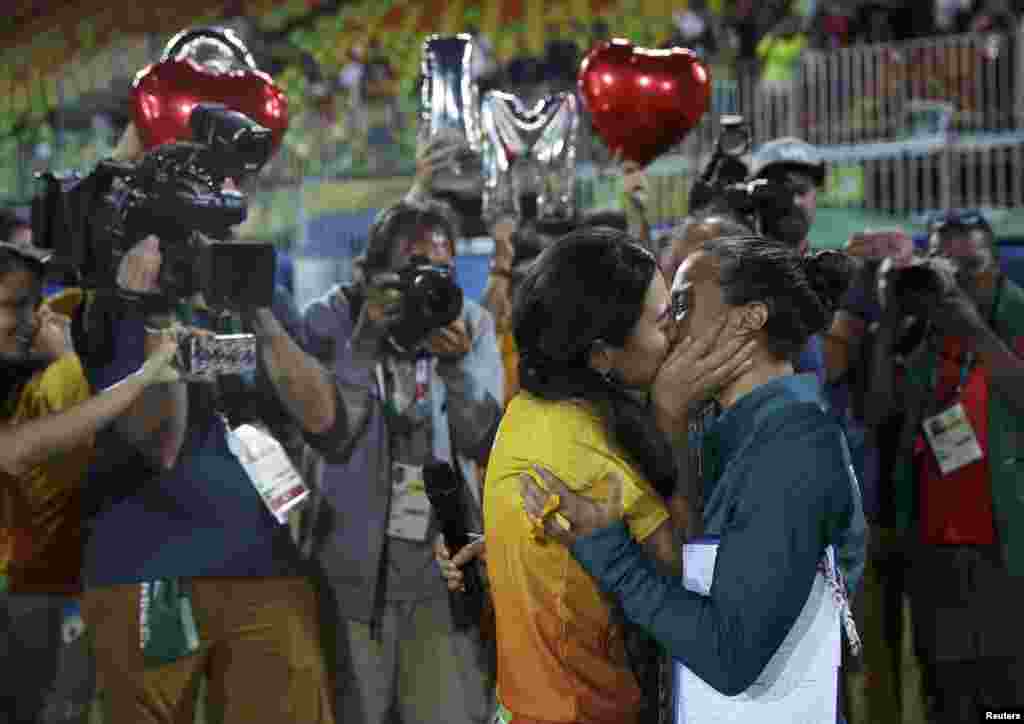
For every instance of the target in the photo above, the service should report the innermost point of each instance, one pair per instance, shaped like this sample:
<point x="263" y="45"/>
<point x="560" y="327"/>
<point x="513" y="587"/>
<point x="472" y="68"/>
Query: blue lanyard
<point x="966" y="367"/>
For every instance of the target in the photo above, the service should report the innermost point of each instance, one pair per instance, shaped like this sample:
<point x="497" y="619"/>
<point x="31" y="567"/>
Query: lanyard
<point x="967" y="359"/>
<point x="835" y="581"/>
<point x="966" y="367"/>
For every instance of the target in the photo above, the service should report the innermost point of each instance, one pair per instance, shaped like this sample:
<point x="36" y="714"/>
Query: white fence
<point x="907" y="127"/>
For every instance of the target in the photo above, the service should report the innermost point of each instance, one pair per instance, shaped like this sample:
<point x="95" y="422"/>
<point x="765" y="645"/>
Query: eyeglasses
<point x="680" y="303"/>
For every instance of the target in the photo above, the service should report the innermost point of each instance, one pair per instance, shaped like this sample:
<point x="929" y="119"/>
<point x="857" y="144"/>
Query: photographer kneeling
<point x="429" y="362"/>
<point x="183" y="552"/>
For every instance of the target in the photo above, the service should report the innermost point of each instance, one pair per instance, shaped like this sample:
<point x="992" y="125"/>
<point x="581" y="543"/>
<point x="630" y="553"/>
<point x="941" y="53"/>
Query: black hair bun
<point x="829" y="274"/>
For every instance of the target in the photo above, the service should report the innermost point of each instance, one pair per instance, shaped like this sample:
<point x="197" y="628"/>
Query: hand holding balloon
<point x="450" y="114"/>
<point x="634" y="181"/>
<point x="443" y="152"/>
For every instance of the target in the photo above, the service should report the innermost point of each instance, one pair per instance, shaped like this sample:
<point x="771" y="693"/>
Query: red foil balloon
<point x="643" y="102"/>
<point x="164" y="94"/>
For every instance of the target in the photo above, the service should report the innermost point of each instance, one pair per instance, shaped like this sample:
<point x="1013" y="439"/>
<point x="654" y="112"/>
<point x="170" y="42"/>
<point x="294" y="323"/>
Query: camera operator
<point x="436" y="391"/>
<point x="955" y="324"/>
<point x="797" y="166"/>
<point x="47" y="421"/>
<point x="181" y="548"/>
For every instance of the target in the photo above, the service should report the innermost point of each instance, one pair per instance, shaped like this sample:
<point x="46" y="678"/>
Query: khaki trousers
<point x="259" y="651"/>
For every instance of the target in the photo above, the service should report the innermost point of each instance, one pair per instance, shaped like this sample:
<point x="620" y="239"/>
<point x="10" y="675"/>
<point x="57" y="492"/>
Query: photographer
<point x="955" y="324"/>
<point x="878" y="684"/>
<point x="436" y="392"/>
<point x="47" y="421"/>
<point x="220" y="583"/>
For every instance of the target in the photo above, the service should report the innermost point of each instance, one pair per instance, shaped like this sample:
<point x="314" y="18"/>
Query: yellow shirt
<point x="40" y="512"/>
<point x="510" y="361"/>
<point x="779" y="56"/>
<point x="66" y="301"/>
<point x="561" y="658"/>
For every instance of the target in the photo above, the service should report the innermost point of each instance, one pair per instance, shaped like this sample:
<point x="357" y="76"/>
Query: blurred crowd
<point x="759" y="44"/>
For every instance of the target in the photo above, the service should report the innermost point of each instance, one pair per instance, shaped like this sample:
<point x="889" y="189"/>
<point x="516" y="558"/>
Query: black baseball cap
<point x="967" y="220"/>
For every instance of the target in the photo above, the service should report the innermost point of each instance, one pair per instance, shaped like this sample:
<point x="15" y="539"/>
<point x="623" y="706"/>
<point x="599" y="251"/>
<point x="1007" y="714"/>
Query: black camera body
<point x="176" y="193"/>
<point x="918" y="288"/>
<point x="766" y="206"/>
<point x="429" y="300"/>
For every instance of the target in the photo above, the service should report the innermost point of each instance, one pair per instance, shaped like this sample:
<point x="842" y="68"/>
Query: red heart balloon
<point x="164" y="94"/>
<point x="643" y="102"/>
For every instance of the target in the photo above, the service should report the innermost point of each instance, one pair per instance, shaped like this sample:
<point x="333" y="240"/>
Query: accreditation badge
<point x="409" y="518"/>
<point x="952" y="439"/>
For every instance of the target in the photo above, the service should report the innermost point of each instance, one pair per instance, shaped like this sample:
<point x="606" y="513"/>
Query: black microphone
<point x="443" y="488"/>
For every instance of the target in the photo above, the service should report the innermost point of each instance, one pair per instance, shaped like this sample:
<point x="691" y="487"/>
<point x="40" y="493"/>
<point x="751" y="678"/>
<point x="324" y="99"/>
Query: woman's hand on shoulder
<point x="558" y="513"/>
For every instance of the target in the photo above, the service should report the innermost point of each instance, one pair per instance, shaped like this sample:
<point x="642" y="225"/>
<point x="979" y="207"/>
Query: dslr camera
<point x="765" y="206"/>
<point x="428" y="299"/>
<point x="175" y="192"/>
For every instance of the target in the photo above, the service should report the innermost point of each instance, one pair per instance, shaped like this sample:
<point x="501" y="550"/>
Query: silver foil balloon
<point x="450" y="108"/>
<point x="530" y="151"/>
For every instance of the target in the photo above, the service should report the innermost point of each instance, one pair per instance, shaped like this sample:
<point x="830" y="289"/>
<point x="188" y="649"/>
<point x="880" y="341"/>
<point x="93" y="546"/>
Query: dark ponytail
<point x="801" y="293"/>
<point x="828" y="274"/>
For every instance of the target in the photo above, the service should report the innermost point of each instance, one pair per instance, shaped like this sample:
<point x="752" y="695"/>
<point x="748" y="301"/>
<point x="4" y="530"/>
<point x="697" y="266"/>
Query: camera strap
<point x="949" y="432"/>
<point x="968" y="359"/>
<point x="262" y="457"/>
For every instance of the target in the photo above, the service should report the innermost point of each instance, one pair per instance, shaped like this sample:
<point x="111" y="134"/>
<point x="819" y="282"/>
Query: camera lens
<point x="440" y="297"/>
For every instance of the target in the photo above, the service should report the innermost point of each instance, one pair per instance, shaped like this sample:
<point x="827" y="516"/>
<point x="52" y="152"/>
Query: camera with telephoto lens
<point x="766" y="206"/>
<point x="428" y="299"/>
<point x="175" y="192"/>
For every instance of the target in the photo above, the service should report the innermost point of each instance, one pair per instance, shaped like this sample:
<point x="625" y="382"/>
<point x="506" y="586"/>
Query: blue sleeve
<point x="327" y="329"/>
<point x="767" y="560"/>
<point x="127" y="338"/>
<point x="852" y="539"/>
<point x="812" y="359"/>
<point x="858" y="303"/>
